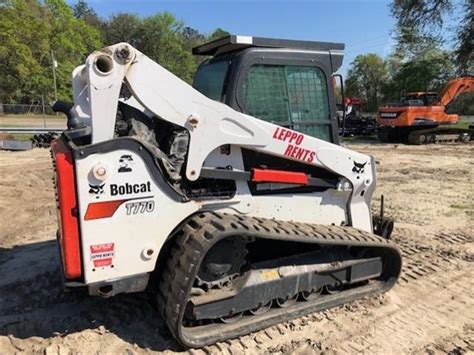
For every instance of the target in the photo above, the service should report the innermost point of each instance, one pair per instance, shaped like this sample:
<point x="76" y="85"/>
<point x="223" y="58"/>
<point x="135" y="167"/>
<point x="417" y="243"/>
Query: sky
<point x="363" y="25"/>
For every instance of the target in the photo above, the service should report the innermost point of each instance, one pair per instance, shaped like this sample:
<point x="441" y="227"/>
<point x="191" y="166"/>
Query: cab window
<point x="291" y="96"/>
<point x="210" y="79"/>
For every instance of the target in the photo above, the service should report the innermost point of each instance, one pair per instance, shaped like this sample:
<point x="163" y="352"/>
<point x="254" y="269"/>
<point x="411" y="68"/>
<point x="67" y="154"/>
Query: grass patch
<point x="22" y="136"/>
<point x="3" y="125"/>
<point x="464" y="122"/>
<point x="32" y="121"/>
<point x="468" y="209"/>
<point x="460" y="124"/>
<point x="31" y="115"/>
<point x="462" y="207"/>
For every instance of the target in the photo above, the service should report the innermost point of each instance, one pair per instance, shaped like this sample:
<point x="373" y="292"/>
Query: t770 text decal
<point x="139" y="207"/>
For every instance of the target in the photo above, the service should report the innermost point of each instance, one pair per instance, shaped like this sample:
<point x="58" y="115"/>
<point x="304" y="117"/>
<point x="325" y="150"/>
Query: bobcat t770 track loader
<point x="239" y="222"/>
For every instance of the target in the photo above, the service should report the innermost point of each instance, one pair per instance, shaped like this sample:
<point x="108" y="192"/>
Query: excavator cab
<point x="421" y="99"/>
<point x="285" y="82"/>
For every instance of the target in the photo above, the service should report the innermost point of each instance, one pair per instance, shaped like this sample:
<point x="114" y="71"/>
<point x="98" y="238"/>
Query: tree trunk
<point x="376" y="104"/>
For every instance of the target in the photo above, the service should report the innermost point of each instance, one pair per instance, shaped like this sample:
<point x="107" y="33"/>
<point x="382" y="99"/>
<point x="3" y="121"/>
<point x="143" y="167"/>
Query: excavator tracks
<point x="440" y="135"/>
<point x="193" y="240"/>
<point x="433" y="135"/>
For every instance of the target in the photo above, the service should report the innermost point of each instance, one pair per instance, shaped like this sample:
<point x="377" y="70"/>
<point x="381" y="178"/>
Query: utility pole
<point x="55" y="64"/>
<point x="44" y="111"/>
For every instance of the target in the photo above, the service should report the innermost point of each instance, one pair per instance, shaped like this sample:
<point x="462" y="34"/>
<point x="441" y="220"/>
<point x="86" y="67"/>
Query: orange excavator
<point x="418" y="119"/>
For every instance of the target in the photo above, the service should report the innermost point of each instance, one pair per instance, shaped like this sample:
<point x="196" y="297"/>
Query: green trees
<point x="428" y="73"/>
<point x="377" y="81"/>
<point x="83" y="11"/>
<point x="71" y="40"/>
<point x="24" y="50"/>
<point x="465" y="40"/>
<point x="366" y="75"/>
<point x="160" y="36"/>
<point x="31" y="29"/>
<point x="428" y="17"/>
<point x="162" y="40"/>
<point x="122" y="28"/>
<point x="218" y="33"/>
<point x="418" y="62"/>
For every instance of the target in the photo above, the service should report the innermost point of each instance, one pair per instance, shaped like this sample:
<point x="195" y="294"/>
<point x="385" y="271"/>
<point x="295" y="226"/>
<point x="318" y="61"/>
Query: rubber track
<point x="200" y="232"/>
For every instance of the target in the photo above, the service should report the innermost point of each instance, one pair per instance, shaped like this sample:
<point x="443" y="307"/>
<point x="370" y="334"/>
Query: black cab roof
<point x="233" y="43"/>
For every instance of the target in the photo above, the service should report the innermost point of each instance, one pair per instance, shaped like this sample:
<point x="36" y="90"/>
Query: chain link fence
<point x="26" y="110"/>
<point x="18" y="118"/>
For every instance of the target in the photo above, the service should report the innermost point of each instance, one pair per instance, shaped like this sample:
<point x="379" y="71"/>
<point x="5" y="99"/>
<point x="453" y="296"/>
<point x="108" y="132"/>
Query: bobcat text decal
<point x="127" y="189"/>
<point x="294" y="149"/>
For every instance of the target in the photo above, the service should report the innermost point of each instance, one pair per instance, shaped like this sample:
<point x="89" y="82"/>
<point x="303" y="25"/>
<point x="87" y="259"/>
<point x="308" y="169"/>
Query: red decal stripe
<point x="100" y="248"/>
<point x="106" y="209"/>
<point x="103" y="262"/>
<point x="69" y="227"/>
<point x="281" y="176"/>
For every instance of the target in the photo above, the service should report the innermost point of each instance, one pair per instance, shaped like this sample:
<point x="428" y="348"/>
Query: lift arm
<point x="211" y="124"/>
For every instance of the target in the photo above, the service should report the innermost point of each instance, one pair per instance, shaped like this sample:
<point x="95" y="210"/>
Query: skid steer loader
<point x="239" y="222"/>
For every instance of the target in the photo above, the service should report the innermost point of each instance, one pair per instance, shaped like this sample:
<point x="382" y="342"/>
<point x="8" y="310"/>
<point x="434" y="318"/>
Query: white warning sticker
<point x="102" y="254"/>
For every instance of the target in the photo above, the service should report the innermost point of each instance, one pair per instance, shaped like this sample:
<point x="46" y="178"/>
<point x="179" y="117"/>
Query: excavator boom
<point x="454" y="88"/>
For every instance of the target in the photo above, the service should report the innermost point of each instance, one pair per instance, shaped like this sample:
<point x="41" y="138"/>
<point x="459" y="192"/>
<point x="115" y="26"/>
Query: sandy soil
<point x="428" y="190"/>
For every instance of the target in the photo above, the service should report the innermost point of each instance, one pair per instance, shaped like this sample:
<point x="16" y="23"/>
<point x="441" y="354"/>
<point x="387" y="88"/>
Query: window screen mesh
<point x="292" y="96"/>
<point x="265" y="93"/>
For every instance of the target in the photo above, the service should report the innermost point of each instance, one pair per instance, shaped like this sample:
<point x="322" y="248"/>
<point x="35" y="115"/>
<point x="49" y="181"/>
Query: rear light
<point x="67" y="216"/>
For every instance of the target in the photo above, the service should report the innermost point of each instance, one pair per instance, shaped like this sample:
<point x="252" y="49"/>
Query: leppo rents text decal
<point x="294" y="149"/>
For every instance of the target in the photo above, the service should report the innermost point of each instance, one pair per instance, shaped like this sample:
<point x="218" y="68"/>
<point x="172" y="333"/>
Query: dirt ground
<point x="429" y="190"/>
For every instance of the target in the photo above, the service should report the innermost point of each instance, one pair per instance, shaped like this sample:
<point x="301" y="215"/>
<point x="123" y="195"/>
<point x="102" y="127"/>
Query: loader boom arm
<point x="454" y="88"/>
<point x="211" y="124"/>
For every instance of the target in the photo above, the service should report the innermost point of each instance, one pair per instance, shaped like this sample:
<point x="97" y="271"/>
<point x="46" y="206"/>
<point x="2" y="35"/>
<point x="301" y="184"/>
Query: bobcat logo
<point x="358" y="167"/>
<point x="96" y="189"/>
